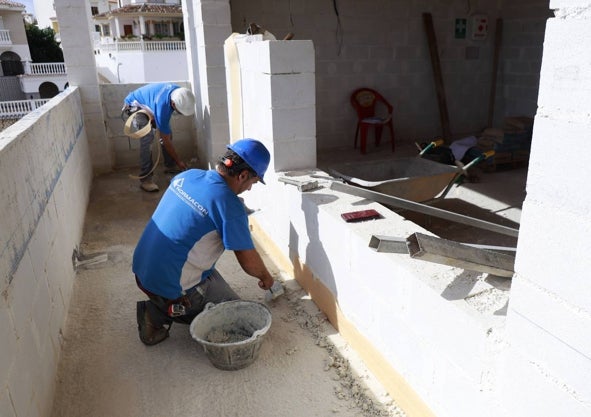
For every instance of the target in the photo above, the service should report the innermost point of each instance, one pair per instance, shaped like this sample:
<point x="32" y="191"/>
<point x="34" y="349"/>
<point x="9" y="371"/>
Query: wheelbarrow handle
<point x="433" y="144"/>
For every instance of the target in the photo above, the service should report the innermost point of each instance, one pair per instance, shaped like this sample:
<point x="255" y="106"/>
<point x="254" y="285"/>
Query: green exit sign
<point x="460" y="28"/>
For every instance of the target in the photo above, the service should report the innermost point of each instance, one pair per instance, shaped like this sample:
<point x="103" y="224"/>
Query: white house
<point x="23" y="85"/>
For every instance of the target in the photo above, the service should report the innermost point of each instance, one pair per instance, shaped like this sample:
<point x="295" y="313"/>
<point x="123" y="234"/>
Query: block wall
<point x="546" y="370"/>
<point x="382" y="44"/>
<point x="278" y="100"/>
<point x="207" y="24"/>
<point x="45" y="176"/>
<point x="389" y="299"/>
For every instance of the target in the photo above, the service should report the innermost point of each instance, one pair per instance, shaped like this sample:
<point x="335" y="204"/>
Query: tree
<point x="42" y="44"/>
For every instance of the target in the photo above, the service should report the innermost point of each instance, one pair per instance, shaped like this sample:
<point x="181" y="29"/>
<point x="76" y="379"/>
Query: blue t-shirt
<point x="156" y="98"/>
<point x="198" y="217"/>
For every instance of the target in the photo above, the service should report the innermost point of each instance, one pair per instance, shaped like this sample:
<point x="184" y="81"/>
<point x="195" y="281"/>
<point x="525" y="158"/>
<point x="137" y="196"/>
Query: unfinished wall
<point x="207" y="24"/>
<point x="546" y="369"/>
<point x="382" y="44"/>
<point x="126" y="150"/>
<point x="278" y="102"/>
<point x="440" y="355"/>
<point x="45" y="175"/>
<point x="423" y="346"/>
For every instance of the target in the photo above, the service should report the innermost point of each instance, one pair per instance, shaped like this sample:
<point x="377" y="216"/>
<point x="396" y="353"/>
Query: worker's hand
<point x="182" y="166"/>
<point x="266" y="283"/>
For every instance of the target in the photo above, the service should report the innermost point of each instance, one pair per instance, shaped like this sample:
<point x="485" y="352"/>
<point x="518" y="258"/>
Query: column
<point x="75" y="29"/>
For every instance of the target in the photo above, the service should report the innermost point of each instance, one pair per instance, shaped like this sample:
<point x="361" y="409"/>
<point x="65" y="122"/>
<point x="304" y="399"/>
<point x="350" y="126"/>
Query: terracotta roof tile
<point x="135" y="9"/>
<point x="11" y="4"/>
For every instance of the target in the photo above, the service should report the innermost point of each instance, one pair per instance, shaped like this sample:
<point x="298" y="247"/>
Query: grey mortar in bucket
<point x="231" y="332"/>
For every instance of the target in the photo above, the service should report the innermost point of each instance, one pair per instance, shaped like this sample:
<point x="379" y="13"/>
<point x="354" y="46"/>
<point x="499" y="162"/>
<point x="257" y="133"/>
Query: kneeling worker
<point x="199" y="216"/>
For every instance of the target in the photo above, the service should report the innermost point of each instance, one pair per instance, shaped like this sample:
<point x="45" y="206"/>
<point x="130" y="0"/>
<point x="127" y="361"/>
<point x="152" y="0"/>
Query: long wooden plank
<point x="495" y="68"/>
<point x="447" y="252"/>
<point x="437" y="75"/>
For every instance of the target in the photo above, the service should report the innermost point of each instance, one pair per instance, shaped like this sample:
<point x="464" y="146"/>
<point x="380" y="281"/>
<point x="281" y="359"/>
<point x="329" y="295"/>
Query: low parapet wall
<point x="45" y="176"/>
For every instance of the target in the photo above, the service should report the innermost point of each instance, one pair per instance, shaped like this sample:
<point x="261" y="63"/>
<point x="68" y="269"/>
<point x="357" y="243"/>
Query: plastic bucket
<point x="231" y="332"/>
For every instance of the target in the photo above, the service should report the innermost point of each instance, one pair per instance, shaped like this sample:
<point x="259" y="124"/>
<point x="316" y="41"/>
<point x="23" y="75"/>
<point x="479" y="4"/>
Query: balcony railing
<point x="5" y="37"/>
<point x="45" y="68"/>
<point x="143" y="46"/>
<point x="19" y="108"/>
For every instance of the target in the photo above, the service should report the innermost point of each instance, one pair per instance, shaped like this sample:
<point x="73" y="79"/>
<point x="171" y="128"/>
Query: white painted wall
<point x="45" y="175"/>
<point x="142" y="67"/>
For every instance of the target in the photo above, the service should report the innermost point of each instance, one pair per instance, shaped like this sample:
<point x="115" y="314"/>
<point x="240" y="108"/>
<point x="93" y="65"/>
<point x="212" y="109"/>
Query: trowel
<point x="275" y="291"/>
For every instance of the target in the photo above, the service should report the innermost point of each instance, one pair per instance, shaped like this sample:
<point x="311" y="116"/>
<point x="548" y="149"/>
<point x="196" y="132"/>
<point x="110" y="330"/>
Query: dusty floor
<point x="304" y="368"/>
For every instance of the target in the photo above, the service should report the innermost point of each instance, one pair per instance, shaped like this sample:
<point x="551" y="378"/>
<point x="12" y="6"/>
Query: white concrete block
<point x="213" y="12"/>
<point x="538" y="339"/>
<point x="293" y="91"/>
<point x="215" y="34"/>
<point x="455" y="395"/>
<point x="41" y="313"/>
<point x="8" y="342"/>
<point x="214" y="55"/>
<point x="296" y="154"/>
<point x="410" y="355"/>
<point x="566" y="63"/>
<point x="21" y="380"/>
<point x="529" y="391"/>
<point x="292" y="123"/>
<point x="565" y="272"/>
<point x="6" y="408"/>
<point x="256" y="90"/>
<point x="454" y="335"/>
<point x="253" y="55"/>
<point x="291" y="57"/>
<point x="555" y="315"/>
<point x="19" y="291"/>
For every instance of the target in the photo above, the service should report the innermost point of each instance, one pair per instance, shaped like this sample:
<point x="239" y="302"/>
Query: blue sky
<point x="29" y="4"/>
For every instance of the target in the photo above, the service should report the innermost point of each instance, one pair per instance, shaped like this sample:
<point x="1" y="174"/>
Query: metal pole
<point x="422" y="208"/>
<point x="447" y="252"/>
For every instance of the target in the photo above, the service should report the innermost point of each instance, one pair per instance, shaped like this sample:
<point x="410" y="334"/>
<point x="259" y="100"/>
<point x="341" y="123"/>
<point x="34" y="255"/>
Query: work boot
<point x="150" y="334"/>
<point x="149" y="186"/>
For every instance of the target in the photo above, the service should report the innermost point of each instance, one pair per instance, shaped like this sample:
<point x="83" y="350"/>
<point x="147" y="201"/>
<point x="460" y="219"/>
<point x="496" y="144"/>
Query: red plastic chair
<point x="365" y="101"/>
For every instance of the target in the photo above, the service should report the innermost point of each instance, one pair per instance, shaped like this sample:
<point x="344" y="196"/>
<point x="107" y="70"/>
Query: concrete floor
<point x="304" y="367"/>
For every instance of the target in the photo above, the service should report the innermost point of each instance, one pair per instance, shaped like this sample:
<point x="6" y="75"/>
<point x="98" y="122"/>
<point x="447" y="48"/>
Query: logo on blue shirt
<point x="177" y="187"/>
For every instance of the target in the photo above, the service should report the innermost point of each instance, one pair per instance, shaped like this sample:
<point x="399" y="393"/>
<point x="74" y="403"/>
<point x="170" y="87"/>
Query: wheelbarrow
<point x="446" y="156"/>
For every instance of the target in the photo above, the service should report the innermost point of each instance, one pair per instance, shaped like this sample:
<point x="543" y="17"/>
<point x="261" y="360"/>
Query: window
<point x="106" y="30"/>
<point x="94" y="10"/>
<point x="176" y="27"/>
<point x="161" y="28"/>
